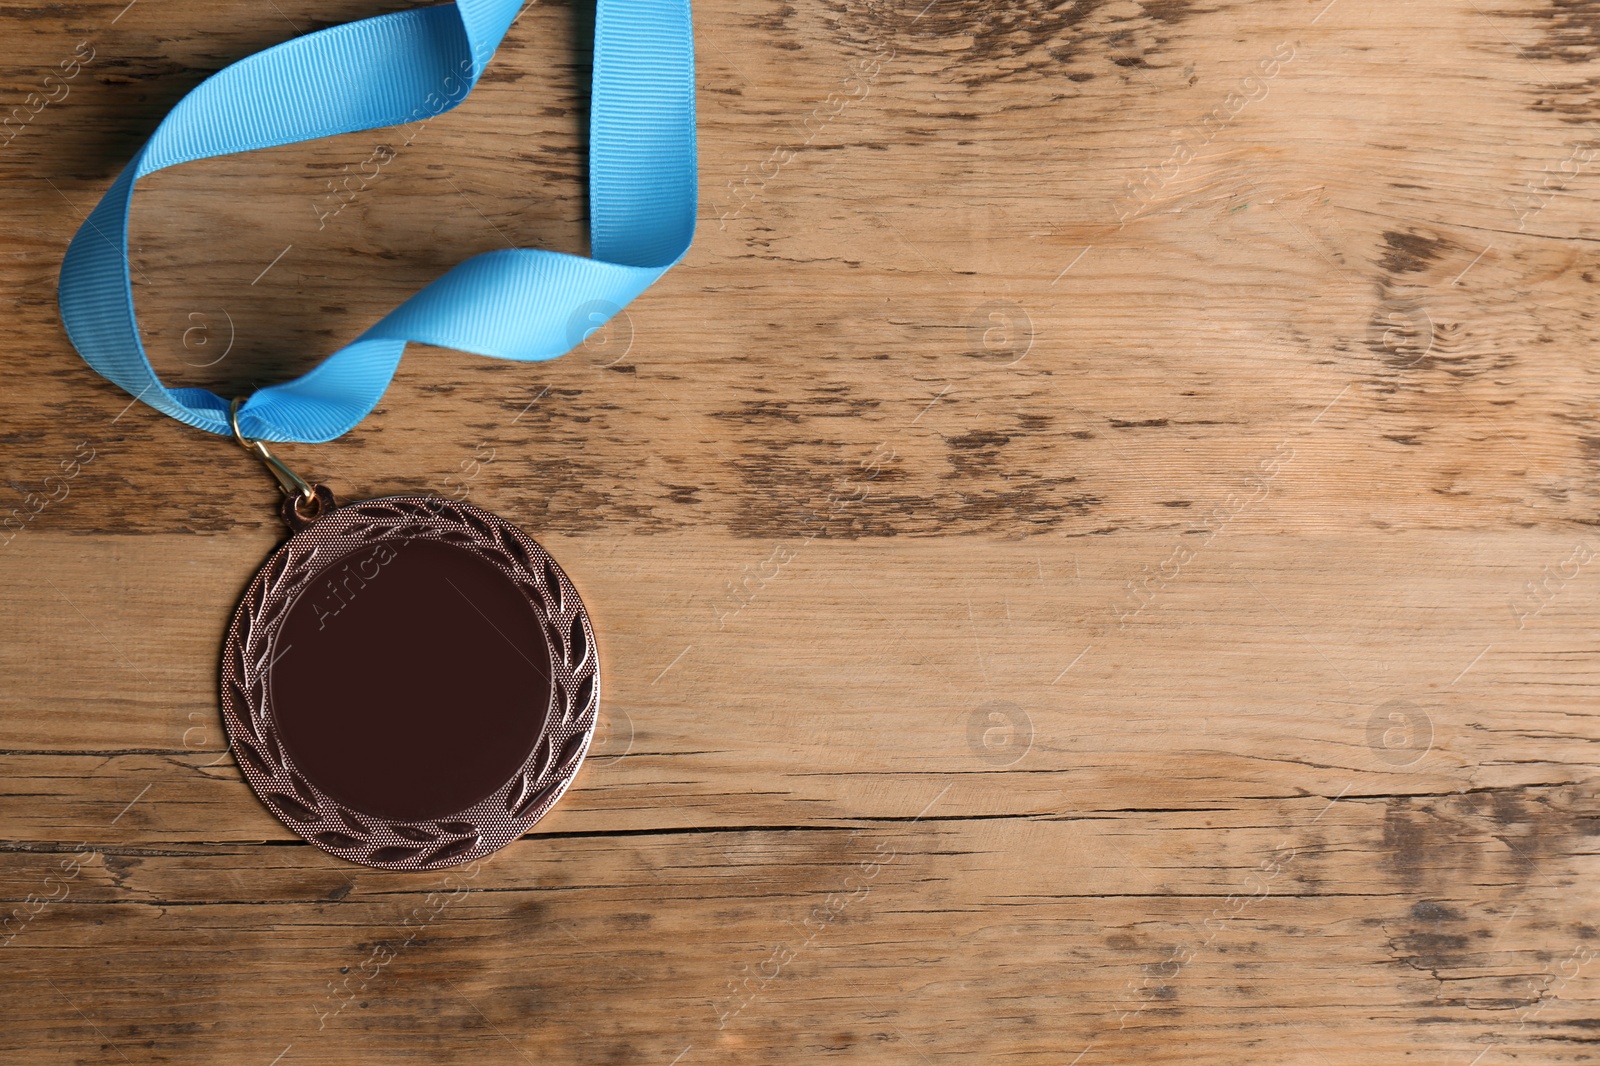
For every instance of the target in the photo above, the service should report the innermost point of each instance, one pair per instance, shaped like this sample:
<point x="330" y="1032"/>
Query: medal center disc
<point x="410" y="680"/>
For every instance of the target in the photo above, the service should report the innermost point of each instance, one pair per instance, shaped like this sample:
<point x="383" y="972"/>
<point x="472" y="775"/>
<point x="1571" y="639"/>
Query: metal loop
<point x="300" y="513"/>
<point x="291" y="483"/>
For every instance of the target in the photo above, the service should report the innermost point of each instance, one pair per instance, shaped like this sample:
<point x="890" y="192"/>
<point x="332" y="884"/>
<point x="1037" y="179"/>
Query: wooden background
<point x="1094" y="550"/>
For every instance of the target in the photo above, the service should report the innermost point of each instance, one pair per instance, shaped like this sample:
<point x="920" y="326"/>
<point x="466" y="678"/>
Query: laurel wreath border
<point x="333" y="826"/>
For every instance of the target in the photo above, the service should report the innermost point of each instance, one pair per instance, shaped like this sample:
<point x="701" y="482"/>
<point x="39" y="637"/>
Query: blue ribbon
<point x="513" y="304"/>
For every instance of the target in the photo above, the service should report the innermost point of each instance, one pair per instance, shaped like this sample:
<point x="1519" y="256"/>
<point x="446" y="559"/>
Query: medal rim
<point x="334" y="826"/>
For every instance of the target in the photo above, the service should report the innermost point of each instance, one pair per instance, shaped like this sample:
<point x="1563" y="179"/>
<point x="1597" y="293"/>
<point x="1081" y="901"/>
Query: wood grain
<point x="1094" y="551"/>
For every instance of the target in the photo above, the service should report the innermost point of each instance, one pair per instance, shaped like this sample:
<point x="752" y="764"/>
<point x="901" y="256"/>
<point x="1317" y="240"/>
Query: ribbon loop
<point x="405" y="67"/>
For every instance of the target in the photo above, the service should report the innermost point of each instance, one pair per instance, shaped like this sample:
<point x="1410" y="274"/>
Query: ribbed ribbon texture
<point x="521" y="303"/>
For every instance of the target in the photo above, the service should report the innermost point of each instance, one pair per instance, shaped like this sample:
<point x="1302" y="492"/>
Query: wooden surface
<point x="1094" y="550"/>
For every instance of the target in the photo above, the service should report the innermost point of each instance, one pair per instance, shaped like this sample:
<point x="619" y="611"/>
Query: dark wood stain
<point x="1570" y="28"/>
<point x="1411" y="252"/>
<point x="1028" y="41"/>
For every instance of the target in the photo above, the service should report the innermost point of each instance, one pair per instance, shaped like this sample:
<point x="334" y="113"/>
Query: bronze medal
<point x="409" y="682"/>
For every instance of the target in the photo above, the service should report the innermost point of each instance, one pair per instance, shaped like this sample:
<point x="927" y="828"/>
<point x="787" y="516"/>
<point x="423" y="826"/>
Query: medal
<point x="410" y="682"/>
